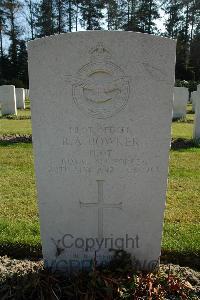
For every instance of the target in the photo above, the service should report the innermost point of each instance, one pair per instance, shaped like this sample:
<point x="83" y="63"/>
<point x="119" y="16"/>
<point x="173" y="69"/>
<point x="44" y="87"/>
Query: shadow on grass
<point x="190" y="112"/>
<point x="14" y="117"/>
<point x="7" y="140"/>
<point x="21" y="251"/>
<point x="182" y="120"/>
<point x="184" y="259"/>
<point x="180" y="143"/>
<point x="34" y="252"/>
<point x="176" y="144"/>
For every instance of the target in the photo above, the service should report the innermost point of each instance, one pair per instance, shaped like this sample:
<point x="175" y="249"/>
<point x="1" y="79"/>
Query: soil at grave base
<point x="10" y="269"/>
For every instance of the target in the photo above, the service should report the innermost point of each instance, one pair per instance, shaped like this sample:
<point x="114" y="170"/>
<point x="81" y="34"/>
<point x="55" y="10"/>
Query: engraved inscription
<point x="100" y="204"/>
<point x="105" y="151"/>
<point x="99" y="136"/>
<point x="101" y="88"/>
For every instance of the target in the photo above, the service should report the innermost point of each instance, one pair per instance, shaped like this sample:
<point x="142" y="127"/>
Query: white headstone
<point x="8" y="100"/>
<point x="194" y="97"/>
<point x="26" y="93"/>
<point x="101" y="114"/>
<point x="20" y="97"/>
<point x="196" y="132"/>
<point x="180" y="102"/>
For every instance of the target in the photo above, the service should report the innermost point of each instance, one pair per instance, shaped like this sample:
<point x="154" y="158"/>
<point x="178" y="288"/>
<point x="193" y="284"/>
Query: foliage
<point x="91" y="11"/>
<point x="182" y="83"/>
<point x="45" y="19"/>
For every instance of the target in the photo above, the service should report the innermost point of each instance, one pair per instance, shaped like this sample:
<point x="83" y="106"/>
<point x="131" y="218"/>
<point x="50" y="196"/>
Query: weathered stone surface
<point x="180" y="102"/>
<point x="101" y="112"/>
<point x="8" y="100"/>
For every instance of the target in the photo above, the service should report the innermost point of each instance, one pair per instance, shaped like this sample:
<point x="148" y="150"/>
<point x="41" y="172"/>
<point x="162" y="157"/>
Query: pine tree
<point x="91" y="12"/>
<point x="132" y="13"/>
<point x="189" y="23"/>
<point x="13" y="31"/>
<point x="172" y="24"/>
<point x="22" y="60"/>
<point x="45" y="24"/>
<point x="115" y="14"/>
<point x="60" y="14"/>
<point x="194" y="56"/>
<point x="2" y="26"/>
<point x="4" y="61"/>
<point x="147" y="13"/>
<point x="31" y="7"/>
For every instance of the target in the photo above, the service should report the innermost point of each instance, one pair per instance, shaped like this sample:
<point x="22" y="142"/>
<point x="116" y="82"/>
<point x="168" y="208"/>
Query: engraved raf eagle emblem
<point x="100" y="88"/>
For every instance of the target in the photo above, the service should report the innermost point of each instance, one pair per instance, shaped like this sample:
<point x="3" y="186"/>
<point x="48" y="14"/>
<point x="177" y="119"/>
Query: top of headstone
<point x="7" y="85"/>
<point x="99" y="33"/>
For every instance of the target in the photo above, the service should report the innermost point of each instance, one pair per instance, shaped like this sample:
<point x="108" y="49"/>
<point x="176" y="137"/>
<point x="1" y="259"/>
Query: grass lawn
<point x="182" y="214"/>
<point x="184" y="128"/>
<point x="19" y="214"/>
<point x="20" y="124"/>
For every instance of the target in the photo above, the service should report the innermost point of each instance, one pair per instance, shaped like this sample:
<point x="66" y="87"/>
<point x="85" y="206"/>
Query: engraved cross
<point x="100" y="204"/>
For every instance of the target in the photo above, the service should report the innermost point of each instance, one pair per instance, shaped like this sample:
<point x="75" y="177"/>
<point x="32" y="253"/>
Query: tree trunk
<point x="108" y="10"/>
<point x="31" y="19"/>
<point x="70" y="16"/>
<point x="77" y="17"/>
<point x="149" y="17"/>
<point x="1" y="39"/>
<point x="59" y="16"/>
<point x="128" y="12"/>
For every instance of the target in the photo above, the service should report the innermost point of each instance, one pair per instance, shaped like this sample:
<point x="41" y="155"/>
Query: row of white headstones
<point x="12" y="98"/>
<point x="181" y="96"/>
<point x="180" y="107"/>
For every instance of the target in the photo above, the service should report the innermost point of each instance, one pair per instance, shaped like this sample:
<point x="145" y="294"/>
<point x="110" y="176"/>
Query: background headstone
<point x="26" y="93"/>
<point x="193" y="96"/>
<point x="101" y="113"/>
<point x="196" y="133"/>
<point x="8" y="100"/>
<point x="20" y="97"/>
<point x="180" y="102"/>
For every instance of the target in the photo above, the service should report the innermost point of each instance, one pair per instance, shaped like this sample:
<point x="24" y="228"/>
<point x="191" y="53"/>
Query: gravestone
<point x="20" y="97"/>
<point x="26" y="93"/>
<point x="101" y="116"/>
<point x="180" y="102"/>
<point x="8" y="100"/>
<point x="194" y="97"/>
<point x="196" y="132"/>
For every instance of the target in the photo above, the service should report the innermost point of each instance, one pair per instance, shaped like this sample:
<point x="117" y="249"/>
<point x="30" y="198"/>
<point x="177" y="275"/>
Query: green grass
<point x="17" y="125"/>
<point x="182" y="214"/>
<point x="12" y="127"/>
<point x="19" y="215"/>
<point x="184" y="128"/>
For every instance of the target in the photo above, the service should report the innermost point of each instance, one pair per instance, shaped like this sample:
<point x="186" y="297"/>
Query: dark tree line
<point x="47" y="17"/>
